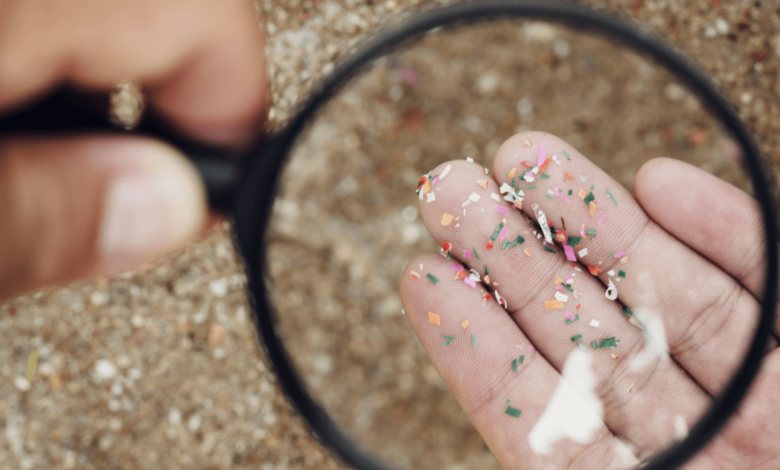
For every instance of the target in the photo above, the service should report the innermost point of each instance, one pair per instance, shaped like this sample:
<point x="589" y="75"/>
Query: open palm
<point x="504" y="314"/>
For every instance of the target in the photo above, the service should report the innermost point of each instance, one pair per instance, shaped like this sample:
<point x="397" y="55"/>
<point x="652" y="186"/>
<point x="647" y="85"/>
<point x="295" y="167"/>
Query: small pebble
<point x="21" y="383"/>
<point x="105" y="369"/>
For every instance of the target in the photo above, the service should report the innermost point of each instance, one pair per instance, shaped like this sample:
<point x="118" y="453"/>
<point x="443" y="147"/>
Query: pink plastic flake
<point x="569" y="250"/>
<point x="502" y="209"/>
<point x="569" y="315"/>
<point x="469" y="283"/>
<point x="467" y="254"/>
<point x="542" y="155"/>
<point x="457" y="267"/>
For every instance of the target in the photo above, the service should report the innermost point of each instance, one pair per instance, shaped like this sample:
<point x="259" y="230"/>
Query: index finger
<point x="201" y="62"/>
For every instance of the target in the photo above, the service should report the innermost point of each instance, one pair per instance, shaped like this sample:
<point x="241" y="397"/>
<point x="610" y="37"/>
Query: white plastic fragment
<point x="594" y="323"/>
<point x="583" y="252"/>
<point x="496" y="197"/>
<point x="561" y="297"/>
<point x="611" y="272"/>
<point x="542" y="219"/>
<point x="505" y="188"/>
<point x="469" y="159"/>
<point x="474" y="197"/>
<point x="445" y="172"/>
<point x="611" y="293"/>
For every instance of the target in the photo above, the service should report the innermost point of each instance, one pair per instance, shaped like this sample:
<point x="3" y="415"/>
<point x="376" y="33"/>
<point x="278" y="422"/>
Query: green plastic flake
<point x="531" y="187"/>
<point x="626" y="311"/>
<point x="591" y="233"/>
<point x="514" y="365"/>
<point x="575" y="338"/>
<point x="474" y="342"/>
<point x="622" y="273"/>
<point x="589" y="197"/>
<point x="548" y="196"/>
<point x="512" y="243"/>
<point x="593" y="187"/>
<point x="486" y="271"/>
<point x="449" y="339"/>
<point x="549" y="250"/>
<point x="477" y="256"/>
<point x="612" y="197"/>
<point x="513" y="183"/>
<point x="448" y="255"/>
<point x="544" y="176"/>
<point x="568" y="322"/>
<point x="432" y="278"/>
<point x="567" y="155"/>
<point x="522" y="358"/>
<point x="513" y="412"/>
<point x="594" y="345"/>
<point x="610" y="343"/>
<point x="497" y="231"/>
<point x="573" y="241"/>
<point x="570" y="192"/>
<point x="567" y="287"/>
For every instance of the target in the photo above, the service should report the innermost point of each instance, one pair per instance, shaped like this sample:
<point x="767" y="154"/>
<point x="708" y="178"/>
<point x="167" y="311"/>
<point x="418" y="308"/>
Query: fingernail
<point x="147" y="214"/>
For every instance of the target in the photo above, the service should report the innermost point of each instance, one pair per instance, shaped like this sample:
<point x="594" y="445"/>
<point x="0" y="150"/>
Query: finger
<point x="675" y="291"/>
<point x="77" y="207"/>
<point x="475" y="359"/>
<point x="201" y="61"/>
<point x="542" y="288"/>
<point x="711" y="216"/>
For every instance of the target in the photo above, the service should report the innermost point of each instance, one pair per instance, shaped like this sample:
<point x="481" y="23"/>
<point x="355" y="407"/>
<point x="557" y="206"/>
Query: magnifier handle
<point x="68" y="112"/>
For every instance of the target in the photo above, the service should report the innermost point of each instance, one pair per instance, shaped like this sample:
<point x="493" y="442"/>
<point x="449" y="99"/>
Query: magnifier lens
<point x="347" y="222"/>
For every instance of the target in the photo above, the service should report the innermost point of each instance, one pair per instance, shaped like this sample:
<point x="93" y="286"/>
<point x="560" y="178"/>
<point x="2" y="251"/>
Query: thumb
<point x="74" y="207"/>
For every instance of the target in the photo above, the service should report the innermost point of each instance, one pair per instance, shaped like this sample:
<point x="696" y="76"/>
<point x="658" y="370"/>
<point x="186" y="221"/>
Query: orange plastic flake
<point x="528" y="143"/>
<point x="582" y="194"/>
<point x="465" y="324"/>
<point x="447" y="246"/>
<point x="434" y="318"/>
<point x="518" y="203"/>
<point x="558" y="281"/>
<point x="614" y="356"/>
<point x="426" y="188"/>
<point x="579" y="306"/>
<point x="560" y="237"/>
<point x="567" y="175"/>
<point x="527" y="252"/>
<point x="553" y="304"/>
<point x="462" y="274"/>
<point x="415" y="275"/>
<point x="483" y="183"/>
<point x="624" y="259"/>
<point x="446" y="219"/>
<point x="594" y="270"/>
<point x="592" y="207"/>
<point x="486" y="172"/>
<point x="512" y="172"/>
<point x="487" y="279"/>
<point x="489" y="245"/>
<point x="543" y="168"/>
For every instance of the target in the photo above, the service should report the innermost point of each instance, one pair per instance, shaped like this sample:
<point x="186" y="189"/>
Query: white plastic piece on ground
<point x="474" y="197"/>
<point x="542" y="219"/>
<point x="611" y="293"/>
<point x="431" y="197"/>
<point x="445" y="172"/>
<point x="574" y="412"/>
<point x="654" y="332"/>
<point x="561" y="297"/>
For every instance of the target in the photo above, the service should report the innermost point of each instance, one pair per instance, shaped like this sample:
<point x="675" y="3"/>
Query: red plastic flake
<point x="489" y="245"/>
<point x="594" y="270"/>
<point x="487" y="296"/>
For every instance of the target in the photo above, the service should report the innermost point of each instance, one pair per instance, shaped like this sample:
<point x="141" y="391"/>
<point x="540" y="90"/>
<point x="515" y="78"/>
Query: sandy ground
<point x="160" y="368"/>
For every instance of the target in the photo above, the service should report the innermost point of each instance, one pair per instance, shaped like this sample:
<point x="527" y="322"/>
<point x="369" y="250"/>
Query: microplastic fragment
<point x="626" y="311"/>
<point x="575" y="338"/>
<point x="469" y="282"/>
<point x="542" y="154"/>
<point x="630" y="387"/>
<point x="512" y="172"/>
<point x="529" y="349"/>
<point x="430" y="197"/>
<point x="594" y="345"/>
<point x="583" y="252"/>
<point x="497" y="231"/>
<point x="567" y="155"/>
<point x="505" y="188"/>
<point x="446" y="171"/>
<point x="467" y="254"/>
<point x="568" y="322"/>
<point x="573" y="241"/>
<point x="513" y="412"/>
<point x="561" y="297"/>
<point x="503" y="234"/>
<point x="531" y="187"/>
<point x="415" y="275"/>
<point x="570" y="192"/>
<point x="620" y="254"/>
<point x="32" y="365"/>
<point x="589" y="197"/>
<point x="582" y="178"/>
<point x="594" y="270"/>
<point x="592" y="207"/>
<point x="489" y="245"/>
<point x="465" y="324"/>
<point x="446" y="219"/>
<point x="435" y="180"/>
<point x="474" y="342"/>
<point x="622" y="273"/>
<point x="483" y="183"/>
<point x="527" y="252"/>
<point x="591" y="233"/>
<point x="568" y="288"/>
<point x="496" y="197"/>
<point x="449" y="339"/>
<point x="547" y="196"/>
<point x="502" y="209"/>
<point x="457" y="267"/>
<point x="476" y="255"/>
<point x="542" y="220"/>
<point x="521" y="359"/>
<point x="548" y="249"/>
<point x="582" y="193"/>
<point x="569" y="315"/>
<point x="612" y="292"/>
<point x="612" y="197"/>
<point x="610" y="343"/>
<point x="434" y="318"/>
<point x="544" y="176"/>
<point x="553" y="304"/>
<point x="469" y="159"/>
<point x="611" y="272"/>
<point x="474" y="197"/>
<point x="432" y="278"/>
<point x="594" y="323"/>
<point x="601" y="220"/>
<point x="514" y="365"/>
<point x="527" y="143"/>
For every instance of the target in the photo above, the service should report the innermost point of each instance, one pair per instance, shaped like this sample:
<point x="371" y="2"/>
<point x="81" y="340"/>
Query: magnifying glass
<point x="326" y="217"/>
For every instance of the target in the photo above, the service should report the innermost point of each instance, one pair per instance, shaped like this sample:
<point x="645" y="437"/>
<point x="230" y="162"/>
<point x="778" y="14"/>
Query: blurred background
<point x="160" y="367"/>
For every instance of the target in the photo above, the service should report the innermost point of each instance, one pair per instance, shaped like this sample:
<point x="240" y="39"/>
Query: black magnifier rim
<point x="256" y="199"/>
